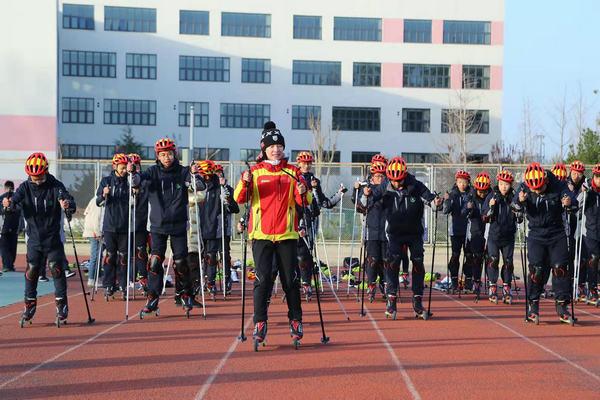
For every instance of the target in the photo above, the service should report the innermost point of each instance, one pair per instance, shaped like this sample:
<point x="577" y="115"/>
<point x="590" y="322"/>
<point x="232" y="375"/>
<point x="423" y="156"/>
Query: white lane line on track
<point x="39" y="306"/>
<point x="204" y="389"/>
<point x="409" y="383"/>
<point x="529" y="340"/>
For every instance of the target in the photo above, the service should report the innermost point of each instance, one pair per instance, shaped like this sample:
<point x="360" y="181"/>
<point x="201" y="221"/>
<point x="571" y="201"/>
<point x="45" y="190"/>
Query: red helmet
<point x="218" y="168"/>
<point x="305" y="157"/>
<point x="482" y="181"/>
<point x="396" y="169"/>
<point x="164" y="144"/>
<point x="560" y="171"/>
<point x="206" y="167"/>
<point x="378" y="168"/>
<point x="535" y="176"/>
<point x="36" y="164"/>
<point x="379" y="158"/>
<point x="462" y="174"/>
<point x="120" y="158"/>
<point x="134" y="158"/>
<point x="596" y="169"/>
<point x="577" y="166"/>
<point x="505" y="176"/>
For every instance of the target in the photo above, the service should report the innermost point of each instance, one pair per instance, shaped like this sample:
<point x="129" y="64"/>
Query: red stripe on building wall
<point x="456" y="76"/>
<point x="393" y="30"/>
<point x="437" y="31"/>
<point x="497" y="33"/>
<point x="496" y="77"/>
<point x="27" y="132"/>
<point x="391" y="75"/>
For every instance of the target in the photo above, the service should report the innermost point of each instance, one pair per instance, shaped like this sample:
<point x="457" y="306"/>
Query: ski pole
<point x="340" y="261"/>
<point x="223" y="261"/>
<point x="99" y="262"/>
<point x="244" y="225"/>
<point x="198" y="243"/>
<point x="432" y="262"/>
<point x="128" y="248"/>
<point x="356" y="193"/>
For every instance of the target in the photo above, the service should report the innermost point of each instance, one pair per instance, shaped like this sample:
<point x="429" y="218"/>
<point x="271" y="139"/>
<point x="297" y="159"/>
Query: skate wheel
<point x="57" y="322"/>
<point x="22" y="322"/>
<point x="256" y="344"/>
<point x="296" y="343"/>
<point x="425" y="315"/>
<point x="157" y="312"/>
<point x="187" y="314"/>
<point x="141" y="315"/>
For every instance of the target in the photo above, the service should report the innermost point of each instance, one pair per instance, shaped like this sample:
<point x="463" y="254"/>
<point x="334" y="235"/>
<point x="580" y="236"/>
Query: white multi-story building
<point x="380" y="74"/>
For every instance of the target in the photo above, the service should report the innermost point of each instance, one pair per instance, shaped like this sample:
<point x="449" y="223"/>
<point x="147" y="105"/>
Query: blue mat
<point x="12" y="286"/>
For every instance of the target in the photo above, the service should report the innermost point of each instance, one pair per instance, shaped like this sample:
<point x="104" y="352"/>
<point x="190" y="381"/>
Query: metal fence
<point x="82" y="177"/>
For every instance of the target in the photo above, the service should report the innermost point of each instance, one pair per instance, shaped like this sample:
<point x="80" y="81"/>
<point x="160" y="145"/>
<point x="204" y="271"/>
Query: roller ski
<point x="177" y="300"/>
<point x="28" y="312"/>
<point x="563" y="313"/>
<point x="109" y="294"/>
<point x="507" y="297"/>
<point x="371" y="292"/>
<point x="592" y="298"/>
<point x="493" y="294"/>
<point x="296" y="332"/>
<point x="468" y="285"/>
<point x="212" y="292"/>
<point x="62" y="312"/>
<point x="259" y="334"/>
<point x="420" y="311"/>
<point x="150" y="307"/>
<point x="454" y="286"/>
<point x="188" y="304"/>
<point x="477" y="291"/>
<point x="533" y="314"/>
<point x="307" y="291"/>
<point x="143" y="285"/>
<point x="390" y="308"/>
<point x="228" y="286"/>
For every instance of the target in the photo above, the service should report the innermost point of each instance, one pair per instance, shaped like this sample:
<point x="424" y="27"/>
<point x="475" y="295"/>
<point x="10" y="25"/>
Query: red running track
<point x="466" y="350"/>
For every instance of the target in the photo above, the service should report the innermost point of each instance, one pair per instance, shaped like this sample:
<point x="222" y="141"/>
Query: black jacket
<point x="592" y="213"/>
<point x="475" y="222"/>
<point x="375" y="225"/>
<point x="403" y="208"/>
<point x="10" y="218"/>
<point x="116" y="205"/>
<point x="168" y="197"/>
<point x="454" y="207"/>
<point x="575" y="188"/>
<point x="210" y="209"/>
<point x="503" y="223"/>
<point x="42" y="211"/>
<point x="141" y="207"/>
<point x="544" y="212"/>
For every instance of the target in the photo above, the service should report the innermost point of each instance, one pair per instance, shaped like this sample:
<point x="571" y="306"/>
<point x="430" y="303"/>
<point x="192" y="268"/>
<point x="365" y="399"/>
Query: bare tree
<point x="559" y="115"/>
<point x="324" y="144"/>
<point x="580" y="109"/>
<point x="527" y="131"/>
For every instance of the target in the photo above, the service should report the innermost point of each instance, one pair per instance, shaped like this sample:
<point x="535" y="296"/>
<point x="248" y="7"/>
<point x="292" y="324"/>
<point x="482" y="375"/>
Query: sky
<point x="550" y="46"/>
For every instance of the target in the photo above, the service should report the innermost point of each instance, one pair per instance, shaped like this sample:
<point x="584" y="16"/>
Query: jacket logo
<point x="412" y="200"/>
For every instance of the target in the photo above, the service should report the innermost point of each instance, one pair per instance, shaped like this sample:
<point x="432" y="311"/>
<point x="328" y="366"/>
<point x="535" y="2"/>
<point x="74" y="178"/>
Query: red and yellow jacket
<point x="273" y="199"/>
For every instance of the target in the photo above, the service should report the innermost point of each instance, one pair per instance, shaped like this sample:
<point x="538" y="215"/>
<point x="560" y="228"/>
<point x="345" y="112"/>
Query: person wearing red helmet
<point x="403" y="202"/>
<point x="543" y="199"/>
<point x="475" y="238"/>
<point x="501" y="236"/>
<point x="42" y="199"/>
<point x="454" y="202"/>
<point x="575" y="183"/>
<point x="168" y="185"/>
<point x="113" y="195"/>
<point x="375" y="237"/>
<point x="590" y="193"/>
<point x="560" y="171"/>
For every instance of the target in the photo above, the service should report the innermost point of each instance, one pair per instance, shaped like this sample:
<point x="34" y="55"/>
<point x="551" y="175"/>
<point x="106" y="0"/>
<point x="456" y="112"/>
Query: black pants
<point x="156" y="271"/>
<point x="305" y="262"/>
<point x="141" y="254"/>
<point x="115" y="261"/>
<point x="36" y="262"/>
<point x="495" y="248"/>
<point x="545" y="256"/>
<point x="474" y="252"/>
<point x="210" y="250"/>
<point x="285" y="253"/>
<point x="8" y="249"/>
<point x="376" y="259"/>
<point x="458" y="244"/>
<point x="394" y="257"/>
<point x="590" y="268"/>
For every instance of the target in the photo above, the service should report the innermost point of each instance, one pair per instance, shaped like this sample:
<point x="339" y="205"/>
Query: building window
<point x="214" y="154"/>
<point x="141" y="66"/>
<point x="99" y="151"/>
<point x="193" y="22"/>
<point x="363" y="156"/>
<point x="422" y="158"/>
<point x="78" y="16"/>
<point x="476" y="76"/>
<point x="129" y="19"/>
<point x="242" y="24"/>
<point x="307" y="27"/>
<point x="367" y="74"/>
<point x="477" y="158"/>
<point x="317" y="73"/>
<point x="256" y="70"/>
<point x="360" y="29"/>
<point x="200" y="114"/>
<point x="129" y="112"/>
<point x="209" y="69"/>
<point x="303" y="115"/>
<point x="426" y="76"/>
<point x="415" y="120"/>
<point x="77" y="110"/>
<point x="249" y="154"/>
<point x="356" y="118"/>
<point x="417" y="31"/>
<point x="473" y="121"/>
<point x="467" y="32"/>
<point x="94" y="64"/>
<point x="236" y="115"/>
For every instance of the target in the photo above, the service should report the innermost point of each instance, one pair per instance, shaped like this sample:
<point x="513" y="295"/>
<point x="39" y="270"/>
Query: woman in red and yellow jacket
<point x="274" y="189"/>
